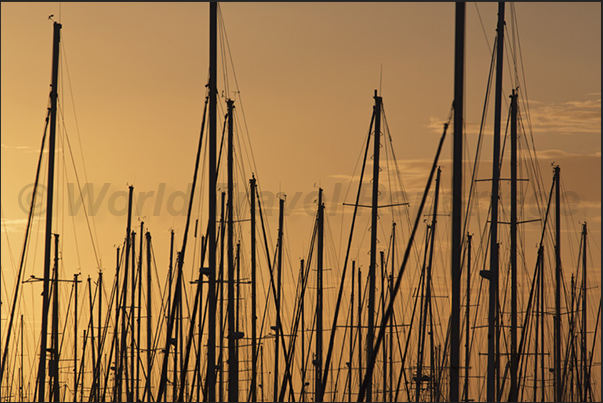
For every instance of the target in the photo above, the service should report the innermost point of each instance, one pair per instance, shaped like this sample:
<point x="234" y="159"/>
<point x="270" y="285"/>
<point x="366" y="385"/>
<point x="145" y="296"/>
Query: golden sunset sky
<point x="133" y="87"/>
<point x="306" y="72"/>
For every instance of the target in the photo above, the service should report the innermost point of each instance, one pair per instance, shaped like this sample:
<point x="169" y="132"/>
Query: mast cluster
<point x="244" y="330"/>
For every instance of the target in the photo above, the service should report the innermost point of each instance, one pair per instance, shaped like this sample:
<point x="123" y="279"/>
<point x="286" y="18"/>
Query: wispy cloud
<point x="573" y="117"/>
<point x="15" y="224"/>
<point x="567" y="118"/>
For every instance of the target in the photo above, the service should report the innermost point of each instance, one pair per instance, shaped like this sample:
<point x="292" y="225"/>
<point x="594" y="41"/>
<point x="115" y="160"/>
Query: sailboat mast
<point x="278" y="297"/>
<point x="211" y="233"/>
<point x="254" y="347"/>
<point x="585" y="380"/>
<point x="132" y="316"/>
<point x="467" y="318"/>
<point x="75" y="281"/>
<point x="384" y="363"/>
<point x="221" y="293"/>
<point x="457" y="195"/>
<point x="139" y="309"/>
<point x="557" y="330"/>
<point x="54" y="363"/>
<point x="233" y="359"/>
<point x="491" y="392"/>
<point x="97" y="368"/>
<point x="21" y="371"/>
<point x="124" y="334"/>
<point x="351" y="333"/>
<point x="94" y="380"/>
<point x="318" y="386"/>
<point x="374" y="223"/>
<point x="303" y="332"/>
<point x="49" y="206"/>
<point x="116" y="344"/>
<point x="391" y="321"/>
<point x="542" y="312"/>
<point x="149" y="311"/>
<point x="514" y="357"/>
<point x="359" y="326"/>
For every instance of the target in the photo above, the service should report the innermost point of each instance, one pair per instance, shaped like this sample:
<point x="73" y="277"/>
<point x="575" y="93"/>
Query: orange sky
<point x="306" y="73"/>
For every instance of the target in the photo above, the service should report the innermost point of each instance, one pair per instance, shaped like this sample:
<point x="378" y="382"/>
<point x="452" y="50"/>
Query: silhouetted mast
<point x="384" y="362"/>
<point x="557" y="331"/>
<point x="492" y="275"/>
<point x="211" y="233"/>
<point x="426" y="305"/>
<point x="359" y="326"/>
<point x="457" y="202"/>
<point x="254" y="301"/>
<point x="94" y="380"/>
<point x="374" y="224"/>
<point x="303" y="342"/>
<point x="49" y="206"/>
<point x="514" y="357"/>
<point x="149" y="312"/>
<point x="75" y="379"/>
<point x="391" y="321"/>
<point x="467" y="319"/>
<point x="585" y="377"/>
<point x="122" y="351"/>
<point x="351" y="357"/>
<point x="233" y="359"/>
<point x="139" y="309"/>
<point x="54" y="362"/>
<point x="97" y="369"/>
<point x="132" y="317"/>
<point x="318" y="386"/>
<point x="277" y="328"/>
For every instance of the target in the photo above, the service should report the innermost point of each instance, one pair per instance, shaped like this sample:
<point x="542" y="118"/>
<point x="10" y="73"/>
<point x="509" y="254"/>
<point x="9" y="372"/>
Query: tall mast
<point x="139" y="312"/>
<point x="351" y="334"/>
<point x="278" y="297"/>
<point x="221" y="293"/>
<point x="359" y="326"/>
<point x="585" y="379"/>
<point x="542" y="305"/>
<point x="176" y="306"/>
<point x="94" y="380"/>
<point x="115" y="330"/>
<point x="149" y="312"/>
<point x="170" y="277"/>
<point x="537" y="325"/>
<point x="467" y="319"/>
<point x="49" y="205"/>
<point x="425" y="308"/>
<point x="557" y="331"/>
<point x="75" y="281"/>
<point x="457" y="202"/>
<point x="303" y="332"/>
<point x="491" y="392"/>
<point x="374" y="223"/>
<point x="132" y="317"/>
<point x="382" y="255"/>
<point x="21" y="374"/>
<point x="254" y="347"/>
<point x="124" y="333"/>
<point x="318" y="386"/>
<point x="54" y="363"/>
<point x="391" y="321"/>
<point x="97" y="368"/>
<point x="211" y="233"/>
<point x="233" y="359"/>
<point x="514" y="357"/>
